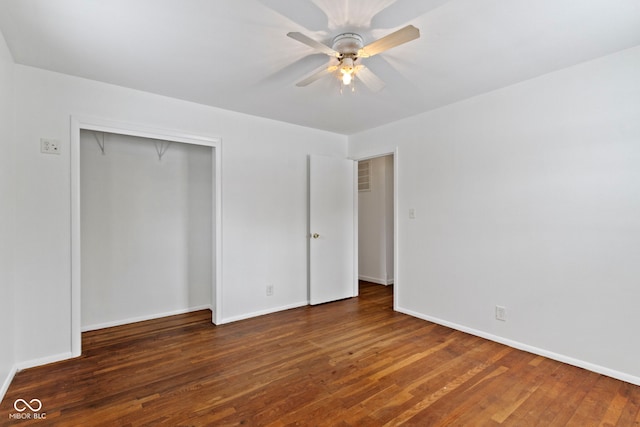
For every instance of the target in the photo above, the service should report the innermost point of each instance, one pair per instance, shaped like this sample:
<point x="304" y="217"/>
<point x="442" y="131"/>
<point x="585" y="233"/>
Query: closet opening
<point x="145" y="226"/>
<point x="376" y="221"/>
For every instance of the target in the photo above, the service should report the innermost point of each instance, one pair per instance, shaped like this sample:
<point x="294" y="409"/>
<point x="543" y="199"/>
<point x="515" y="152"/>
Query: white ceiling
<point x="235" y="54"/>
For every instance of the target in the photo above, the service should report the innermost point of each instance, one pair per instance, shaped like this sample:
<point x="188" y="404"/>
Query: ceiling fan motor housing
<point x="348" y="44"/>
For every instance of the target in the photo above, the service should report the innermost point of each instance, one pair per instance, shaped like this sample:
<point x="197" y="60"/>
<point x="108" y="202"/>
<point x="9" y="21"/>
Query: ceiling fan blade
<point x="314" y="44"/>
<point x="394" y="39"/>
<point x="369" y="79"/>
<point x="317" y="75"/>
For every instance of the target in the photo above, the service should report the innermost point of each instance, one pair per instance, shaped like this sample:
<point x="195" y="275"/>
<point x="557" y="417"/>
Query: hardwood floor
<point x="349" y="363"/>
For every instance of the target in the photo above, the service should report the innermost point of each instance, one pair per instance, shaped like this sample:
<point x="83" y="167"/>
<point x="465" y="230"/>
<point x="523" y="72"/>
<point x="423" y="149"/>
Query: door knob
<point x="315" y="235"/>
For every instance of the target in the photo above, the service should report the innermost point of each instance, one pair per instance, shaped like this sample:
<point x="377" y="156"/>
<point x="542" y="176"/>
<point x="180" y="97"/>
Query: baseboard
<point x="43" y="361"/>
<point x="263" y="312"/>
<point x="7" y="382"/>
<point x="143" y="318"/>
<point x="64" y="356"/>
<point x="30" y="364"/>
<point x="376" y="280"/>
<point x="528" y="348"/>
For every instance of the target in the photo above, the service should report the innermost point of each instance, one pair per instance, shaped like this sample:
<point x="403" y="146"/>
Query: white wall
<point x="375" y="224"/>
<point x="7" y="216"/>
<point x="264" y="199"/>
<point x="146" y="229"/>
<point x="528" y="197"/>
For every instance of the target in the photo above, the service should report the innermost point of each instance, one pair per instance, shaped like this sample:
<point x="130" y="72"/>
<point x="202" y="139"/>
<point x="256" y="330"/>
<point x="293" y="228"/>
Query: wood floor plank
<point x="459" y="396"/>
<point x="353" y="362"/>
<point x="631" y="409"/>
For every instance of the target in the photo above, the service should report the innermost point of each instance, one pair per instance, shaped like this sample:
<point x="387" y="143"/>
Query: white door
<point x="332" y="267"/>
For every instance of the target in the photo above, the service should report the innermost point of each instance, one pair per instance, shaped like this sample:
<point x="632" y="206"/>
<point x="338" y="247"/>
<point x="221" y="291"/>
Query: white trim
<point x="356" y="284"/>
<point x="130" y="129"/>
<point x="105" y="125"/>
<point x="264" y="312"/>
<point x="216" y="306"/>
<point x="396" y="229"/>
<point x="29" y="364"/>
<point x="43" y="361"/>
<point x="7" y="382"/>
<point x="376" y="280"/>
<point x="373" y="154"/>
<point x="528" y="348"/>
<point x="143" y="318"/>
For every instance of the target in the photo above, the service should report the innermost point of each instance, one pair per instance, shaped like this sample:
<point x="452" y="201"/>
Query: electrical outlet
<point x="501" y="313"/>
<point x="412" y="213"/>
<point x="49" y="146"/>
<point x="269" y="290"/>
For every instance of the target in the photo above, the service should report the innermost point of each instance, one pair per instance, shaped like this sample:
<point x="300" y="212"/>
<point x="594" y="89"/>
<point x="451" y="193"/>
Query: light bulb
<point x="346" y="68"/>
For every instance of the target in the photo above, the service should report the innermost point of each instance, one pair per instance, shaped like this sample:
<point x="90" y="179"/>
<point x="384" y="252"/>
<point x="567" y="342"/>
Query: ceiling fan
<point x="348" y="49"/>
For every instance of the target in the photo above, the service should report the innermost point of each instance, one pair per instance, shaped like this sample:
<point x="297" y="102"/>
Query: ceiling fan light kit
<point x="349" y="49"/>
<point x="348" y="44"/>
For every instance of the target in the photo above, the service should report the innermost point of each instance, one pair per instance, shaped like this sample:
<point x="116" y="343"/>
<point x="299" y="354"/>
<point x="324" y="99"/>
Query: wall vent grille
<point x="364" y="175"/>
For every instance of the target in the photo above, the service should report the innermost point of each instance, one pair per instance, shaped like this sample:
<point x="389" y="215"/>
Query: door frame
<point x="372" y="154"/>
<point x="79" y="123"/>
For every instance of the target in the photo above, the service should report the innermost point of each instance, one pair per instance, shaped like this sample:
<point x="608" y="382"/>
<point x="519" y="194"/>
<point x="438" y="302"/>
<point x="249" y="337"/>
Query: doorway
<point x="376" y="219"/>
<point x="82" y="132"/>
